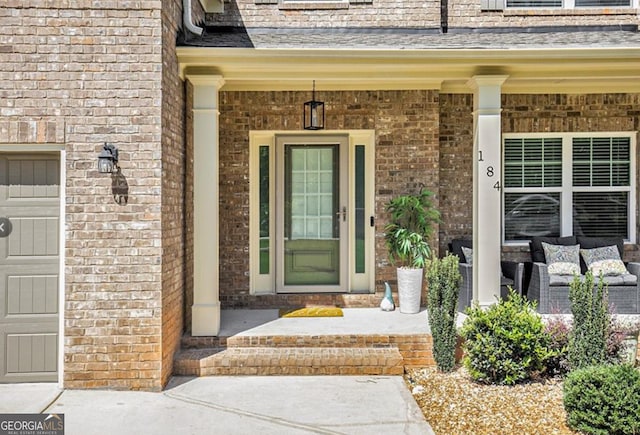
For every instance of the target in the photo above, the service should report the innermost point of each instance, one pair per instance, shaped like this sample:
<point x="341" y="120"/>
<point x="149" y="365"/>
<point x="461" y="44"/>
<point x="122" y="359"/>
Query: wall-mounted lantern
<point x="313" y="117"/>
<point x="108" y="159"/>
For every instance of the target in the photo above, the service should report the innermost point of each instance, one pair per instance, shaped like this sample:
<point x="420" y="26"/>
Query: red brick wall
<point x="82" y="77"/>
<point x="173" y="190"/>
<point x="390" y="13"/>
<point x="537" y="113"/>
<point x="456" y="170"/>
<point x="467" y="13"/>
<point x="407" y="156"/>
<point x="569" y="113"/>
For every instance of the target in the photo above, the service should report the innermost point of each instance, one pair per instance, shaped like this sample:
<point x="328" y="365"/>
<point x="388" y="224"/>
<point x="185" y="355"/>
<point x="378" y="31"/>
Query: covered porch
<point x="432" y="67"/>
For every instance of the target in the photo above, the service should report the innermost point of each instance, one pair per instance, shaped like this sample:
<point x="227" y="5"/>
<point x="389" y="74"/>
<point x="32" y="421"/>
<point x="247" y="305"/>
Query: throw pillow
<point x="468" y="255"/>
<point x="605" y="261"/>
<point x="561" y="259"/>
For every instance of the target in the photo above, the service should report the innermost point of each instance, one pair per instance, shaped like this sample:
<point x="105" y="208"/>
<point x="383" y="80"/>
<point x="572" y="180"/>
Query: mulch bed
<point x="454" y="404"/>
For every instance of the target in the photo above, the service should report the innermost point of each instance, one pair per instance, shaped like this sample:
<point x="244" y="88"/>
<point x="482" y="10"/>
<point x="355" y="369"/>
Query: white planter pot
<point x="409" y="290"/>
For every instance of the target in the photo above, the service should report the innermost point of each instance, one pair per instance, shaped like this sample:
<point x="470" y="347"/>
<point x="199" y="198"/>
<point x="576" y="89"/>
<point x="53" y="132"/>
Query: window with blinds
<point x="546" y="4"/>
<point x="534" y="3"/>
<point x="593" y="198"/>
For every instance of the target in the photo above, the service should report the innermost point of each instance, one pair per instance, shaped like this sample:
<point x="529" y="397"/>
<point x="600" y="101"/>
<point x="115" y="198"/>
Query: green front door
<point x="313" y="215"/>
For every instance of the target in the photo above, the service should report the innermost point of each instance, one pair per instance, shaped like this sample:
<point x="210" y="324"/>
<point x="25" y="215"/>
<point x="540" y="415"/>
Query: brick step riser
<point x="339" y="341"/>
<point x="302" y="371"/>
<point x="317" y="355"/>
<point x="292" y="361"/>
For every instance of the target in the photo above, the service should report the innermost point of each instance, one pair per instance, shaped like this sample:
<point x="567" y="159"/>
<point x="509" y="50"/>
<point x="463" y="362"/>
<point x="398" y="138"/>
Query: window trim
<point x="567" y="188"/>
<point x="566" y="5"/>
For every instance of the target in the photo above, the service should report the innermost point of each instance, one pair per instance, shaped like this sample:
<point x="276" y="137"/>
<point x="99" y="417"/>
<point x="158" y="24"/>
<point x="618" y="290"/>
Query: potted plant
<point x="407" y="239"/>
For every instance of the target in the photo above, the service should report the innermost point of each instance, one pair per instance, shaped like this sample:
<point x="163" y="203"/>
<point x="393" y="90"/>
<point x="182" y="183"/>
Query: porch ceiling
<point x="562" y="70"/>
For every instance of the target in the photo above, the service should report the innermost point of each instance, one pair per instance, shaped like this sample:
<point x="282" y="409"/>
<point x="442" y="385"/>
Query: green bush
<point x="506" y="343"/>
<point x="558" y="331"/>
<point x="443" y="278"/>
<point x="591" y="320"/>
<point x="603" y="400"/>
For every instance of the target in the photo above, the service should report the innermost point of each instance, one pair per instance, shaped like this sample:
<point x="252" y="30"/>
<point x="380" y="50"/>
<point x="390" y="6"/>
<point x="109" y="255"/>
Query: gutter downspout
<point x="444" y="16"/>
<point x="186" y="18"/>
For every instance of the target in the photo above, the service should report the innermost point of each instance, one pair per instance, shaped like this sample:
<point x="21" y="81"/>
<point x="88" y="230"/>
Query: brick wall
<point x="537" y="113"/>
<point x="456" y="170"/>
<point x="569" y="113"/>
<point x="173" y="190"/>
<point x="80" y="77"/>
<point x="467" y="13"/>
<point x="188" y="208"/>
<point x="397" y="13"/>
<point x="406" y="124"/>
<point x="392" y="13"/>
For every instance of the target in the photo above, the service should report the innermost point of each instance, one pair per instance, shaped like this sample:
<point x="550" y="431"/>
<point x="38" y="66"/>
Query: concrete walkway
<point x="232" y="405"/>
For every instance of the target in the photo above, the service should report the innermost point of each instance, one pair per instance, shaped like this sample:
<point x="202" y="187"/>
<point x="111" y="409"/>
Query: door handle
<point x="343" y="213"/>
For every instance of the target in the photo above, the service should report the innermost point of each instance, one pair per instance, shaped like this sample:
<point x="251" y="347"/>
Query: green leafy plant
<point x="410" y="226"/>
<point x="558" y="331"/>
<point x="443" y="280"/>
<point x="603" y="400"/>
<point x="591" y="320"/>
<point x="506" y="343"/>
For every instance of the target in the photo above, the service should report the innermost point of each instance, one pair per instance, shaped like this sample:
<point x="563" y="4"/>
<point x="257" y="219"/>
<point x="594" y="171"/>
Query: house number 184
<point x="490" y="172"/>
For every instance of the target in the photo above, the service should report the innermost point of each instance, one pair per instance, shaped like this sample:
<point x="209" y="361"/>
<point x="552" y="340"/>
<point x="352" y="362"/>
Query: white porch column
<point x="487" y="187"/>
<point x="205" y="319"/>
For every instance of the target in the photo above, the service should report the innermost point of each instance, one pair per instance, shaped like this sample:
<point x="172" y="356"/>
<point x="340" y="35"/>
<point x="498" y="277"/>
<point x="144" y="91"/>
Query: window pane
<point x="531" y="214"/>
<point x="533" y="162"/>
<point x="600" y="214"/>
<point x="534" y="3"/>
<point x="602" y="3"/>
<point x="359" y="199"/>
<point x="264" y="210"/>
<point x="601" y="161"/>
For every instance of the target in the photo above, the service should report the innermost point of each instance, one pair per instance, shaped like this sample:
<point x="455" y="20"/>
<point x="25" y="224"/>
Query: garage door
<point x="29" y="266"/>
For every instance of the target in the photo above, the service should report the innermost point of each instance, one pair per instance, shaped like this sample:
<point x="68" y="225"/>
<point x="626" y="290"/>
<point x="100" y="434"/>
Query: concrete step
<point x="289" y="361"/>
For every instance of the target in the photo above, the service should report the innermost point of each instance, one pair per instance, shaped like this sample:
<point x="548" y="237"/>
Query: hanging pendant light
<point x="313" y="117"/>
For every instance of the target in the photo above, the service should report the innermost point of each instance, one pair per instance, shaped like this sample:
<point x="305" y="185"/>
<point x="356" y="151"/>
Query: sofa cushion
<point x="562" y="260"/>
<point x="625" y="279"/>
<point x="605" y="261"/>
<point x="599" y="242"/>
<point x="562" y="280"/>
<point x="535" y="246"/>
<point x="611" y="280"/>
<point x="455" y="247"/>
<point x="468" y="255"/>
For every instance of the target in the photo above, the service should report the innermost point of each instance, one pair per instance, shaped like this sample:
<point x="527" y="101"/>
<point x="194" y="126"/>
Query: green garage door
<point x="29" y="267"/>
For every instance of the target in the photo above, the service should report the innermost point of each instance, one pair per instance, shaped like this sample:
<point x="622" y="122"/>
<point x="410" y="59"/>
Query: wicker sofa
<point x="512" y="274"/>
<point x="551" y="291"/>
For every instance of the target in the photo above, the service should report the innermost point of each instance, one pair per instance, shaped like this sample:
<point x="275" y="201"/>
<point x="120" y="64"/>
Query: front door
<point x="312" y="198"/>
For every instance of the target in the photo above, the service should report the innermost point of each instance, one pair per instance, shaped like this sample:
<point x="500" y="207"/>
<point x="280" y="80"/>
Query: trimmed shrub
<point x="443" y="278"/>
<point x="506" y="343"/>
<point x="603" y="400"/>
<point x="591" y="320"/>
<point x="558" y="331"/>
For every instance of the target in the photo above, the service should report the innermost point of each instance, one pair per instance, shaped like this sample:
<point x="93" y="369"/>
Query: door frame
<point x="342" y="141"/>
<point x="357" y="282"/>
<point x="60" y="150"/>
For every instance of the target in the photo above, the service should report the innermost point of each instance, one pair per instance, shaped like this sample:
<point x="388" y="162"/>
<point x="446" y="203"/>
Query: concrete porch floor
<point x="356" y="321"/>
<point x="364" y="341"/>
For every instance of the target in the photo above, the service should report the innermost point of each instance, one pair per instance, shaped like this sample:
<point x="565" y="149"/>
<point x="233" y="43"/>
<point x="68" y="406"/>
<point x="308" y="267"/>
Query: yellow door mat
<point x="311" y="312"/>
